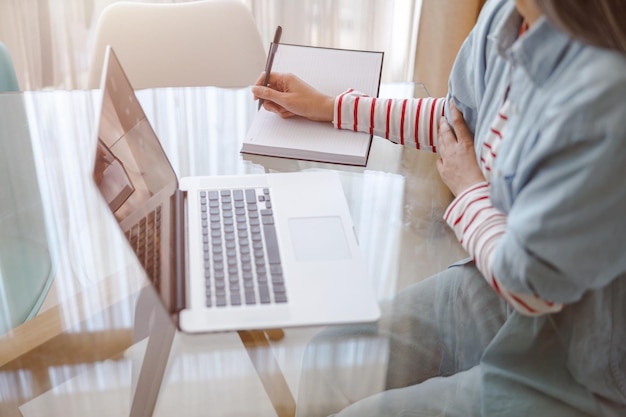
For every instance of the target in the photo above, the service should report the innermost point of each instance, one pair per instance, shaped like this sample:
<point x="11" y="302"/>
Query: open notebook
<point x="228" y="252"/>
<point x="331" y="71"/>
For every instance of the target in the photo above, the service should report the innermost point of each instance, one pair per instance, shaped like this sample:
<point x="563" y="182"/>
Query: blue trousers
<point x="433" y="333"/>
<point x="431" y="339"/>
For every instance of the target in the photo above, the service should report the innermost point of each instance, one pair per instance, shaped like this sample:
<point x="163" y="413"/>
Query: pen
<point x="270" y="58"/>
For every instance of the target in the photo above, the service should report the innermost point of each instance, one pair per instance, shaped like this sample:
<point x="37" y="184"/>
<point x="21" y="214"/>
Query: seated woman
<point x="532" y="145"/>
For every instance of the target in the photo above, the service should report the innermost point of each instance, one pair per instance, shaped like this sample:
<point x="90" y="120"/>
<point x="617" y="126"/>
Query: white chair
<point x="210" y="42"/>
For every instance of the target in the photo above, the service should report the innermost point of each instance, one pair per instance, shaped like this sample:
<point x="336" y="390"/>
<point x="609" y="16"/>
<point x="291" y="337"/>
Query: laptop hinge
<point x="179" y="294"/>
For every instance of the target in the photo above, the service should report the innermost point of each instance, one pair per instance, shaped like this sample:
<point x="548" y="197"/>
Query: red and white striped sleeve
<point x="479" y="226"/>
<point x="411" y="122"/>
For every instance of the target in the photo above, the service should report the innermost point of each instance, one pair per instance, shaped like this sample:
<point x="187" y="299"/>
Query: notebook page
<point x="331" y="71"/>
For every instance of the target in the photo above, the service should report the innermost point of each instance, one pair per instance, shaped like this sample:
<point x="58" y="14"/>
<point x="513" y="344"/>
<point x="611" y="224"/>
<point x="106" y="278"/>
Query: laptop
<point x="228" y="252"/>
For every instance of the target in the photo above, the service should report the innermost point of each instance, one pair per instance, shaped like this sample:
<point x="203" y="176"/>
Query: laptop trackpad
<point x="318" y="239"/>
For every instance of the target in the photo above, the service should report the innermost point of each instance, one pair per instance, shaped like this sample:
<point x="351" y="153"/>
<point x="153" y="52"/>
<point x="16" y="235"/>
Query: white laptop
<point x="229" y="252"/>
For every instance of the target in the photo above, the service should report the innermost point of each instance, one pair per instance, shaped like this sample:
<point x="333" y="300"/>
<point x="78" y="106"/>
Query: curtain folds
<point x="50" y="40"/>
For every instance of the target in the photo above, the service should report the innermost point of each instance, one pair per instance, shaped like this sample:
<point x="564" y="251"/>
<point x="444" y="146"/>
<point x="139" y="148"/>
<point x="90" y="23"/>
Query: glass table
<point x="76" y="348"/>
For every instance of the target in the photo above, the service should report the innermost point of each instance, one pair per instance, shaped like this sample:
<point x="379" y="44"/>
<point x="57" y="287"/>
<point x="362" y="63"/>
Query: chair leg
<point x="153" y="321"/>
<point x="272" y="378"/>
<point x="275" y="334"/>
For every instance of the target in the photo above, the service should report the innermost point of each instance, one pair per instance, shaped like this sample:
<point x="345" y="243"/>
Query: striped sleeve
<point x="479" y="226"/>
<point x="411" y="122"/>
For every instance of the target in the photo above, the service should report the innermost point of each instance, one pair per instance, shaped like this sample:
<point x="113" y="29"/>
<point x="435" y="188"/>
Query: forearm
<point x="479" y="226"/>
<point x="410" y="122"/>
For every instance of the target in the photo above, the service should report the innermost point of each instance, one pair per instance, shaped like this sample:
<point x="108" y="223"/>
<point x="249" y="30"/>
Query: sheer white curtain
<point x="50" y="40"/>
<point x="389" y="26"/>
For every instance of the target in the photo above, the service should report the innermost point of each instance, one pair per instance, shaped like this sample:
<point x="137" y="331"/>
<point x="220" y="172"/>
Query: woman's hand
<point x="288" y="96"/>
<point x="457" y="163"/>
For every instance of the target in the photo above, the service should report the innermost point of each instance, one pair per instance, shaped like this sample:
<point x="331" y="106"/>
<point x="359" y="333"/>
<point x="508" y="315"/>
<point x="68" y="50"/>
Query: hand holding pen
<point x="288" y="95"/>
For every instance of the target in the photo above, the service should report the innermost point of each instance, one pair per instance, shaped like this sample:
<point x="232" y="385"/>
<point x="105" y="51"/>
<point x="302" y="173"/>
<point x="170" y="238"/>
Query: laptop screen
<point x="130" y="164"/>
<point x="136" y="180"/>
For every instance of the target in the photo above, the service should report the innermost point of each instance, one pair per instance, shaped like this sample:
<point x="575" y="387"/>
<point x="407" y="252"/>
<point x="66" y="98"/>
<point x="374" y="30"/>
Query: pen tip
<point x="278" y="34"/>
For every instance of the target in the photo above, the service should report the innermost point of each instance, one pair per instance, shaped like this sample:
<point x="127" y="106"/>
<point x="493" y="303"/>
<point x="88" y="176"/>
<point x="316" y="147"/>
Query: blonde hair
<point x="595" y="22"/>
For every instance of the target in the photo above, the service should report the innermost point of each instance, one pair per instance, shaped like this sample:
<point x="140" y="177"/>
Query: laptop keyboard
<point x="241" y="259"/>
<point x="144" y="238"/>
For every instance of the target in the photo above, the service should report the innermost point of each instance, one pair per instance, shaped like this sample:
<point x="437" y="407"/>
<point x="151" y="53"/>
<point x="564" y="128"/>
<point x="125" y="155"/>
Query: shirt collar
<point x="538" y="51"/>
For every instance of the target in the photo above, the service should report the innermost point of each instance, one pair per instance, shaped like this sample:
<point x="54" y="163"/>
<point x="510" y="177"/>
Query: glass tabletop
<point x="76" y="348"/>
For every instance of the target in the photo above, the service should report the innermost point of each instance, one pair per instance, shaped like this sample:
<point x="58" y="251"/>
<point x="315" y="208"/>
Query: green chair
<point x="26" y="267"/>
<point x="8" y="79"/>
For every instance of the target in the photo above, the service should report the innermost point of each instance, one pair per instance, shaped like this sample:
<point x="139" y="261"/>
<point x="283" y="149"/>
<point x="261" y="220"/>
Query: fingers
<point x="272" y="101"/>
<point x="275" y="108"/>
<point x="288" y="95"/>
<point x="446" y="136"/>
<point x="267" y="91"/>
<point x="444" y="127"/>
<point x="276" y="79"/>
<point x="271" y="97"/>
<point x="461" y="131"/>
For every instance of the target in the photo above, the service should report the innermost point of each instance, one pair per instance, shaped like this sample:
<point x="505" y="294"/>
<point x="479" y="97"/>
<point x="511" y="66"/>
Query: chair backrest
<point x="8" y="79"/>
<point x="210" y="42"/>
<point x="27" y="263"/>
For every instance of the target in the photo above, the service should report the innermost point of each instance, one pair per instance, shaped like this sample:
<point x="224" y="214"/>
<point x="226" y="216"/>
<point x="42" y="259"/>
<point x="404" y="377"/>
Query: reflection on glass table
<point x="81" y="354"/>
<point x="26" y="265"/>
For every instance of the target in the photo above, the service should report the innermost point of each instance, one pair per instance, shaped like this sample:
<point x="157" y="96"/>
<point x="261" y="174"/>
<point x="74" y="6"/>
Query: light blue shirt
<point x="560" y="177"/>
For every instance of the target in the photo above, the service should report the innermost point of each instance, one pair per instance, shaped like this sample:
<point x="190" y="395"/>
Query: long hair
<point x="595" y="22"/>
